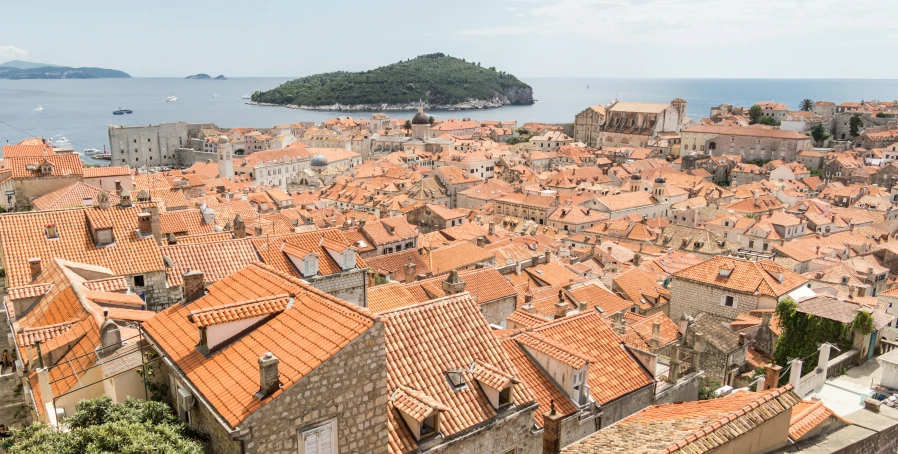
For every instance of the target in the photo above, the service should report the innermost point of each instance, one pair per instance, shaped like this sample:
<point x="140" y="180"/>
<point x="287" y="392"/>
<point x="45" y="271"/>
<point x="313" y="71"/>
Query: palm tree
<point x="806" y="105"/>
<point x="407" y="126"/>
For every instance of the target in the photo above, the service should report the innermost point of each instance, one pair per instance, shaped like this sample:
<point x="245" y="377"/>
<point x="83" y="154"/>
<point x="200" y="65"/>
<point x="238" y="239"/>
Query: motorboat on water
<point x="38" y="109"/>
<point x="171" y="98"/>
<point x="60" y="142"/>
<point x="214" y="95"/>
<point x="121" y="111"/>
<point x="90" y="151"/>
<point x="247" y="96"/>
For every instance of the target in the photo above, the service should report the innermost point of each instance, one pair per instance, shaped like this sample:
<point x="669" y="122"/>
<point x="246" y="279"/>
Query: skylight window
<point x="456" y="379"/>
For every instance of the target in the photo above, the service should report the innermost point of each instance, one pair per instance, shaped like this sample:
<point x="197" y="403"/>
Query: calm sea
<point x="81" y="110"/>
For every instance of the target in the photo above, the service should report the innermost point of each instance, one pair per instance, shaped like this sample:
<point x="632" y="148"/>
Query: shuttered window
<point x="320" y="440"/>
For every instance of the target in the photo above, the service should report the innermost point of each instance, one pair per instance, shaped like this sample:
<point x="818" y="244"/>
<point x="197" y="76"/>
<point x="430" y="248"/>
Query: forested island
<point x="440" y="81"/>
<point x="25" y="70"/>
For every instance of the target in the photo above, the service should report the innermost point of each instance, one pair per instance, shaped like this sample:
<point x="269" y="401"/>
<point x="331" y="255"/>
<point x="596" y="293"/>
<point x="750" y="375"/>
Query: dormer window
<point x="497" y="385"/>
<point x="420" y="412"/>
<point x="50" y="230"/>
<point x="104" y="237"/>
<point x="348" y="259"/>
<point x="46" y="168"/>
<point x="310" y="265"/>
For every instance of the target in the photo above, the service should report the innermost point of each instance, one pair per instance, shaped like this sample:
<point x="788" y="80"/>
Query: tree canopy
<point x="754" y="113"/>
<point x="803" y="333"/>
<point x="854" y="125"/>
<point x="434" y="78"/>
<point x="100" y="426"/>
<point x="806" y="105"/>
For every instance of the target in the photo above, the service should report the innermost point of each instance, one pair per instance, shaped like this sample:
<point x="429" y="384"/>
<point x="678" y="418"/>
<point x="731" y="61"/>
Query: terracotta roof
<point x="29" y="336"/>
<point x="30" y="167"/>
<point x="271" y="250"/>
<point x="309" y="332"/>
<point x="216" y="260"/>
<point x="596" y="296"/>
<point x="240" y="310"/>
<point x="425" y="342"/>
<point x="543" y="388"/>
<point x="106" y="171"/>
<point x="750" y="131"/>
<point x="842" y="311"/>
<point x="109" y="284"/>
<point x="745" y="277"/>
<point x="72" y="196"/>
<point x="454" y="256"/>
<point x="390" y="296"/>
<point x="388" y="230"/>
<point x="415" y="403"/>
<point x="613" y="372"/>
<point x="25" y="237"/>
<point x="28" y="291"/>
<point x="523" y="318"/>
<point x="553" y="274"/>
<point x="485" y="285"/>
<point x="807" y="415"/>
<point x="689" y="427"/>
<point x="553" y="349"/>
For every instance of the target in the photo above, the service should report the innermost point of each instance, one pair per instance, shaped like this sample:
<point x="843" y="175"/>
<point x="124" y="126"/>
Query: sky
<point x="527" y="38"/>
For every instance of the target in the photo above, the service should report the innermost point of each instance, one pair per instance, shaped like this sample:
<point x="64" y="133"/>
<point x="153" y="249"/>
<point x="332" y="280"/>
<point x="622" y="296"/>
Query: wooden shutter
<point x="310" y="442"/>
<point x="326" y="440"/>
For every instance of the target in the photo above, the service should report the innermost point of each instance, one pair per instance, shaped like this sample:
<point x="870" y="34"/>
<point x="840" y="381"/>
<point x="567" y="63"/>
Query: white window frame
<point x="316" y="430"/>
<point x="723" y="301"/>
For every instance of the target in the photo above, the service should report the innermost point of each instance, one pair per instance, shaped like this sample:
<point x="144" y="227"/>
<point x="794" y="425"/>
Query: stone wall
<point x="350" y="387"/>
<point x="152" y="145"/>
<point x="495" y="312"/>
<point x="684" y="390"/>
<point x="579" y="426"/>
<point x="616" y="410"/>
<point x="28" y="189"/>
<point x="187" y="157"/>
<point x="691" y="298"/>
<point x="507" y="433"/>
<point x="13" y="409"/>
<point x="155" y="291"/>
<point x="349" y="286"/>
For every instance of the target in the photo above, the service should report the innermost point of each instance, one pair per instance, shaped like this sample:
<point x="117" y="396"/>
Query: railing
<point x="845" y="360"/>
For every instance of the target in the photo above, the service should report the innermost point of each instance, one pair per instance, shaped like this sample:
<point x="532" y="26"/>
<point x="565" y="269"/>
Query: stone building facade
<point x="749" y="142"/>
<point x="153" y="145"/>
<point x="637" y="124"/>
<point x="350" y="285"/>
<point x="349" y="389"/>
<point x="689" y="297"/>
<point x="588" y="125"/>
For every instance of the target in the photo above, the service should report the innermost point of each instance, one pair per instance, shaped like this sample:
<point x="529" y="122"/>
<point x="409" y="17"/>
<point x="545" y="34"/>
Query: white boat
<point x="171" y="98"/>
<point x="61" y="142"/>
<point x="247" y="96"/>
<point x="89" y="151"/>
<point x="214" y="95"/>
<point x="38" y="108"/>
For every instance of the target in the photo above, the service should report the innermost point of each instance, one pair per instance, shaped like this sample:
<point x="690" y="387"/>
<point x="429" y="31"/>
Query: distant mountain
<point x="10" y="70"/>
<point x="438" y="80"/>
<point x="202" y="76"/>
<point x="25" y="64"/>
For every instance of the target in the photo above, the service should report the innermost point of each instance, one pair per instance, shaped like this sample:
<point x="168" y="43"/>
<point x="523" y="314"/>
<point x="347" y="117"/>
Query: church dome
<point x="223" y="139"/>
<point x="660" y="180"/>
<point x="635" y="177"/>
<point x="421" y="118"/>
<point x="319" y="161"/>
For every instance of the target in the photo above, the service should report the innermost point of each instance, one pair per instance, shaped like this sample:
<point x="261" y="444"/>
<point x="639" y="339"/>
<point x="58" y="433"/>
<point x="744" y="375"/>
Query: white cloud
<point x="716" y="23"/>
<point x="511" y="8"/>
<point x="12" y="52"/>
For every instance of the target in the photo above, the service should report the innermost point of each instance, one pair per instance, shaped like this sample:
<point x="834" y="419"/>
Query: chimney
<point x="268" y="375"/>
<point x="118" y="186"/>
<point x="765" y="318"/>
<point x="124" y="199"/>
<point x="144" y="224"/>
<point x="479" y="241"/>
<point x="194" y="286"/>
<point x="453" y="284"/>
<point x="110" y="336"/>
<point x="552" y="431"/>
<point x="548" y="255"/>
<point x="492" y="228"/>
<point x="772" y="377"/>
<point x="741" y="339"/>
<point x="103" y="200"/>
<point x="655" y="341"/>
<point x="155" y="223"/>
<point x="172" y="239"/>
<point x="239" y="227"/>
<point x="528" y="303"/>
<point x="34" y="264"/>
<point x="619" y="327"/>
<point x="410" y="272"/>
<point x="581" y="306"/>
<point x="258" y="230"/>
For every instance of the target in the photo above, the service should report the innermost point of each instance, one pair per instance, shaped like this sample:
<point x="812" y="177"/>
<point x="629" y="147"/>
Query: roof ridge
<point x="427" y="304"/>
<point x="729" y="417"/>
<point x="362" y="311"/>
<point x="261" y="299"/>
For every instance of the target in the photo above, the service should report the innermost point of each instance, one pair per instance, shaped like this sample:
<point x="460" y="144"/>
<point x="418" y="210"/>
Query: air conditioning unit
<point x="185" y="399"/>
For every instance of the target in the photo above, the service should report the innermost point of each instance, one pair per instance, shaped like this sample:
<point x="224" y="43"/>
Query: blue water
<point x="81" y="110"/>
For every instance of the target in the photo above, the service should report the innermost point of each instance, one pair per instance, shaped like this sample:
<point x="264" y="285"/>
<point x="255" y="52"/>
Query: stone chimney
<point x="480" y="241"/>
<point x="194" y="286"/>
<point x="156" y="223"/>
<point x="772" y="377"/>
<point x="765" y="318"/>
<point x="258" y="230"/>
<point x="144" y="224"/>
<point x="118" y="186"/>
<point x="124" y="198"/>
<point x="528" y="303"/>
<point x="410" y="271"/>
<point x="492" y="228"/>
<point x="269" y="381"/>
<point x="172" y="239"/>
<point x="741" y="339"/>
<point x="110" y="336"/>
<point x="239" y="227"/>
<point x="552" y="430"/>
<point x="655" y="341"/>
<point x="619" y="327"/>
<point x="453" y="284"/>
<point x="103" y="200"/>
<point x="581" y="306"/>
<point x="34" y="264"/>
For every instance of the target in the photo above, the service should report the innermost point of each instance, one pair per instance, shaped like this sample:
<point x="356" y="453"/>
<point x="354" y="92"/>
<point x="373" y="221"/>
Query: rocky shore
<point x="471" y="104"/>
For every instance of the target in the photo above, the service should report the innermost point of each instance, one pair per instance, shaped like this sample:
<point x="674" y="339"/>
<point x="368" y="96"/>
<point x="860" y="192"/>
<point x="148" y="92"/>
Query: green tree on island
<point x="806" y="105"/>
<point x="754" y="114"/>
<point x="100" y="426"/>
<point x="855" y="125"/>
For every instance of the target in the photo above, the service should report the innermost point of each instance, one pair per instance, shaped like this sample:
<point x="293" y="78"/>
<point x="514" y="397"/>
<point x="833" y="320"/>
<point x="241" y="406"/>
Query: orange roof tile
<point x="31" y="167"/>
<point x="240" y="310"/>
<point x="745" y="277"/>
<point x="309" y="332"/>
